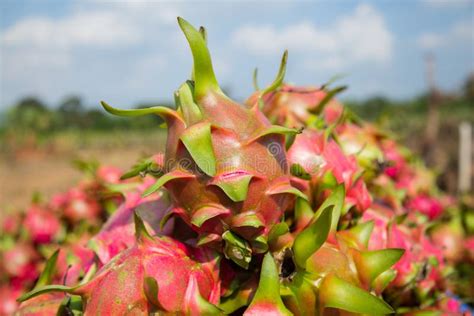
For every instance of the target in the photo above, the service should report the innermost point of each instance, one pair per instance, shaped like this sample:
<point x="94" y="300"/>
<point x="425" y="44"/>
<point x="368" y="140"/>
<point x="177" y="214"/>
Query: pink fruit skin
<point x="20" y="263"/>
<point x="450" y="240"/>
<point x="8" y="303"/>
<point x="290" y="105"/>
<point x="118" y="233"/>
<point x="392" y="155"/>
<point x="427" y="205"/>
<point x="69" y="272"/>
<point x="318" y="156"/>
<point x="418" y="247"/>
<point x="41" y="224"/>
<point x="80" y="206"/>
<point x="109" y="174"/>
<point x="118" y="286"/>
<point x="11" y="224"/>
<point x="44" y="305"/>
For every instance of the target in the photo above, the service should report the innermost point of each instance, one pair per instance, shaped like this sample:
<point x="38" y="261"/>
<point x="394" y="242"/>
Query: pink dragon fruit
<point x="19" y="262"/>
<point x="41" y="224"/>
<point x="225" y="164"/>
<point x="8" y="296"/>
<point x="117" y="234"/>
<point x="157" y="274"/>
<point x="450" y="238"/>
<point x="318" y="157"/>
<point x="295" y="106"/>
<point x="427" y="205"/>
<point x="109" y="174"/>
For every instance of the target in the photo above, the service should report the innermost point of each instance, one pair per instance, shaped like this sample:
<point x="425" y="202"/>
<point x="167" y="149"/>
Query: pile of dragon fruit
<point x="288" y="204"/>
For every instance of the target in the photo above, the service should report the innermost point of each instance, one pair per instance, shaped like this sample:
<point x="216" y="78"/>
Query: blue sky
<point x="128" y="52"/>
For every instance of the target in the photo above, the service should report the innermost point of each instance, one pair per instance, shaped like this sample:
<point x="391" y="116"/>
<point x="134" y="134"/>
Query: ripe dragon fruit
<point x="294" y="106"/>
<point x="314" y="156"/>
<point x="118" y="233"/>
<point x="225" y="164"/>
<point x="41" y="224"/>
<point x="157" y="274"/>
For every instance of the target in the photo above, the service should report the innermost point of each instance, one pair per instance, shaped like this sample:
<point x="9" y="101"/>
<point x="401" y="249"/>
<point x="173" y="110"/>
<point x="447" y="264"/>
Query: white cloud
<point x="81" y="29"/>
<point x="52" y="41"/>
<point x="458" y="32"/>
<point x="361" y="36"/>
<point x="53" y="46"/>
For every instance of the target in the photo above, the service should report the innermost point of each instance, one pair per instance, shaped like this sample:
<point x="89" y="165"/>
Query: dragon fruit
<point x="314" y="156"/>
<point x="18" y="262"/>
<point x="225" y="164"/>
<point x="41" y="224"/>
<point x="299" y="106"/>
<point x="156" y="274"/>
<point x="8" y="296"/>
<point x="449" y="237"/>
<point x="118" y="233"/>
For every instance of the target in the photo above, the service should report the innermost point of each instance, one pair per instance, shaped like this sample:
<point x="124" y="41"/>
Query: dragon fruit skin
<point x="292" y="106"/>
<point x="8" y="296"/>
<point x="156" y="274"/>
<point x="41" y="224"/>
<point x="427" y="205"/>
<point x="109" y="174"/>
<point x="74" y="261"/>
<point x="19" y="263"/>
<point x="118" y="233"/>
<point x="422" y="259"/>
<point x="44" y="305"/>
<point x="225" y="164"/>
<point x="450" y="238"/>
<point x="318" y="156"/>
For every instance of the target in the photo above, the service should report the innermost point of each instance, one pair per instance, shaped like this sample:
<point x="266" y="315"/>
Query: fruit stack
<point x="287" y="204"/>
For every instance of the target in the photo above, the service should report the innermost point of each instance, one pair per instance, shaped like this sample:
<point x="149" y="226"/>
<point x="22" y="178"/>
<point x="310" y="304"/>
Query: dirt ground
<point x="50" y="171"/>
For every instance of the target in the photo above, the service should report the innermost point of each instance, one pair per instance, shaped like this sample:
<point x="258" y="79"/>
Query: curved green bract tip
<point x="150" y="288"/>
<point x="237" y="249"/>
<point x="362" y="232"/>
<point x="48" y="272"/>
<point x="236" y="188"/>
<point x="204" y="77"/>
<point x="255" y="80"/>
<point x="46" y="289"/>
<point x="167" y="177"/>
<point x="279" y="78"/>
<point x="313" y="237"/>
<point x="203" y="32"/>
<point x="141" y="232"/>
<point x="198" y="141"/>
<point x="186" y="105"/>
<point x="277" y="230"/>
<point x="267" y="298"/>
<point x="207" y="212"/>
<point x="336" y="199"/>
<point x="370" y="264"/>
<point x="271" y="130"/>
<point x="337" y="293"/>
<point x="195" y="304"/>
<point x="329" y="96"/>
<point x="164" y="112"/>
